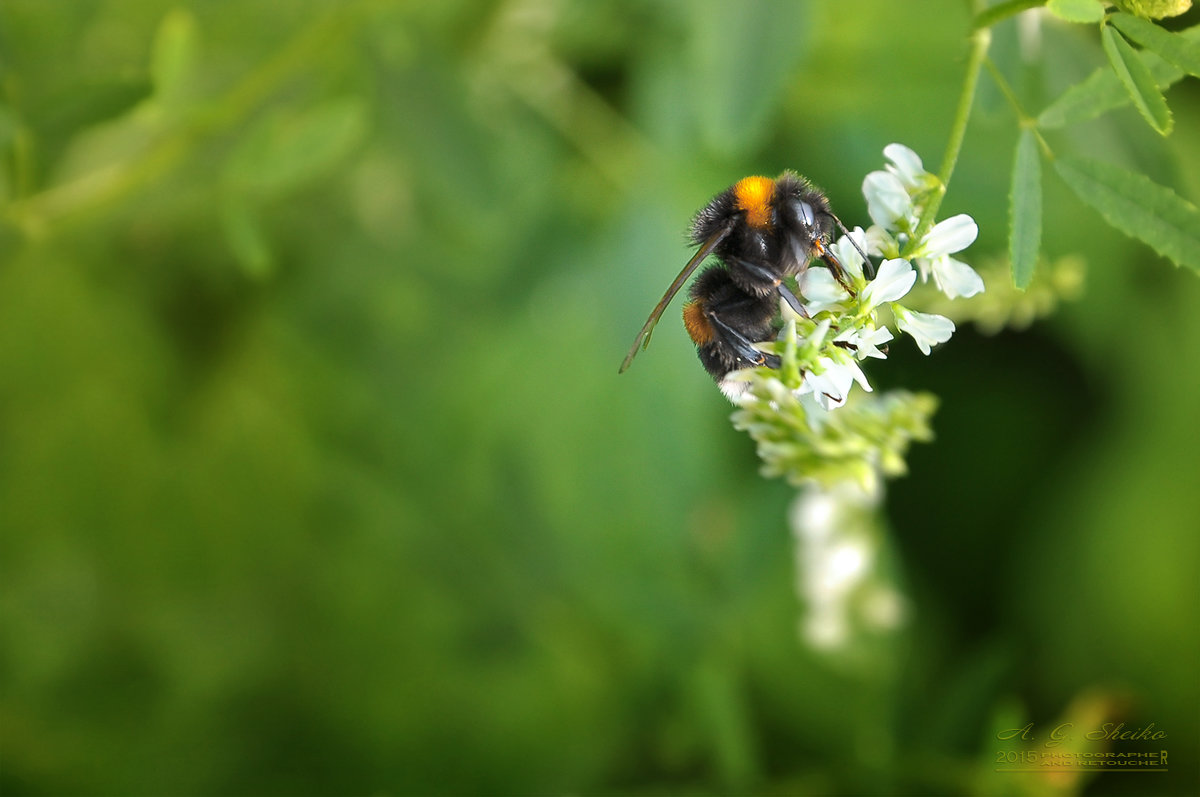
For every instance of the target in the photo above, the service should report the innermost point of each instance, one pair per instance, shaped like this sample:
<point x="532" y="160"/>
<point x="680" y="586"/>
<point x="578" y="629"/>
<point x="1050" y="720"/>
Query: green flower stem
<point x="981" y="39"/>
<point x="1007" y="91"/>
<point x="1025" y="120"/>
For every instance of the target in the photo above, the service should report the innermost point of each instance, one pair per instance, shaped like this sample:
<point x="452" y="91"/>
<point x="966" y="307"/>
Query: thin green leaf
<point x="1138" y="207"/>
<point x="173" y="57"/>
<point x="1099" y="93"/>
<point x="92" y="101"/>
<point x="289" y="148"/>
<point x="1085" y="11"/>
<point x="1172" y="47"/>
<point x="1025" y="210"/>
<point x="245" y="237"/>
<point x="1137" y="79"/>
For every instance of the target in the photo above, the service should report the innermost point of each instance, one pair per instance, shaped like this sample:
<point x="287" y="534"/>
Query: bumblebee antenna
<point x="868" y="266"/>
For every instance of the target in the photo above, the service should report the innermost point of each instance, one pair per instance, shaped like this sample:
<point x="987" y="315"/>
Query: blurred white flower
<point x="926" y="329"/>
<point x="836" y="552"/>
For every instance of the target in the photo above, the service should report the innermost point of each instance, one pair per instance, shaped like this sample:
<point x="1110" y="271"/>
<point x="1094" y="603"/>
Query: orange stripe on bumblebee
<point x="698" y="327"/>
<point x="753" y="196"/>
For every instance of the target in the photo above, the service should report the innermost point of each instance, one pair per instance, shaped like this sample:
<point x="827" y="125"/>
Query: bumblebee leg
<point x="766" y="275"/>
<point x="740" y="344"/>
<point x="760" y="272"/>
<point x="791" y="299"/>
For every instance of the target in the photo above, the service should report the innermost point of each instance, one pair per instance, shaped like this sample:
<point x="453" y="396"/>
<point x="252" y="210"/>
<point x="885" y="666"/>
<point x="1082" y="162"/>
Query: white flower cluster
<point x="896" y="198"/>
<point x="838" y="545"/>
<point x="846" y="327"/>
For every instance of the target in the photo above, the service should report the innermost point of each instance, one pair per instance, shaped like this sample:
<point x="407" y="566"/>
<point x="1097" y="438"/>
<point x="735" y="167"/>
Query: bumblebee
<point x="762" y="231"/>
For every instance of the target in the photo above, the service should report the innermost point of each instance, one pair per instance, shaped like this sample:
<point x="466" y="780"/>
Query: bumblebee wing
<point x="643" y="337"/>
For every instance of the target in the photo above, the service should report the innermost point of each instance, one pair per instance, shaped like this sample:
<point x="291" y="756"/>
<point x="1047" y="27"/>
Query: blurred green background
<point x="317" y="476"/>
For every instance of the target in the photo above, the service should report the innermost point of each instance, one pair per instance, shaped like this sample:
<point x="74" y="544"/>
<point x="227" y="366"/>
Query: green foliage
<point x="1103" y="91"/>
<point x="287" y="149"/>
<point x="1174" y="48"/>
<point x="1005" y="305"/>
<point x="174" y="57"/>
<point x="1025" y="203"/>
<point x="1135" y="77"/>
<point x="1138" y="207"/>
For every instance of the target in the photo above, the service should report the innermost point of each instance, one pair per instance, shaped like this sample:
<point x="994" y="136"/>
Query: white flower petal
<point x="816" y="415"/>
<point x="866" y="340"/>
<point x="859" y="376"/>
<point x="828" y="402"/>
<point x="887" y="201"/>
<point x="926" y="329"/>
<point x="894" y="280"/>
<point x="843" y="249"/>
<point x="955" y="278"/>
<point x="831" y="385"/>
<point x="881" y="243"/>
<point x="949" y="236"/>
<point x="820" y="290"/>
<point x="924" y="267"/>
<point x="906" y="164"/>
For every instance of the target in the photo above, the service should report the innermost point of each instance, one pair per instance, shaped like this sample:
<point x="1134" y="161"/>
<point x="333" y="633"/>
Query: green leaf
<point x="174" y="54"/>
<point x="246" y="239"/>
<point x="1102" y="91"/>
<point x="1099" y="93"/>
<point x="1139" y="82"/>
<point x="1172" y="47"/>
<point x="1025" y="210"/>
<point x="1076" y="10"/>
<point x="288" y="148"/>
<point x="92" y="101"/>
<point x="1138" y="207"/>
<point x="1155" y="9"/>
